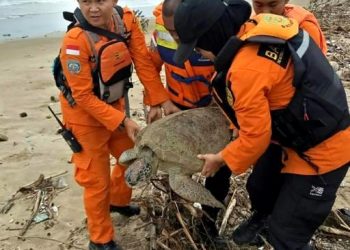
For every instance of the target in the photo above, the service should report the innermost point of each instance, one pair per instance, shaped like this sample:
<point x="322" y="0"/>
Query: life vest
<point x="318" y="108"/>
<point x="112" y="64"/>
<point x="188" y="84"/>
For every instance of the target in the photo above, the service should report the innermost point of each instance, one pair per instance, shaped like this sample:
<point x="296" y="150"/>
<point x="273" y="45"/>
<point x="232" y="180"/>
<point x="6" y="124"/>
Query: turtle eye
<point x="145" y="173"/>
<point x="148" y="170"/>
<point x="130" y="178"/>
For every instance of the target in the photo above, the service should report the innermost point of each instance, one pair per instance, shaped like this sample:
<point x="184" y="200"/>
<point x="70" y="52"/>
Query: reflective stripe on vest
<point x="304" y="44"/>
<point x="186" y="85"/>
<point x="163" y="38"/>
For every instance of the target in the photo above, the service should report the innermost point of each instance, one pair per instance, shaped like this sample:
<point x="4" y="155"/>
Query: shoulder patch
<point x="280" y="54"/>
<point x="73" y="50"/>
<point x="229" y="95"/>
<point x="73" y="66"/>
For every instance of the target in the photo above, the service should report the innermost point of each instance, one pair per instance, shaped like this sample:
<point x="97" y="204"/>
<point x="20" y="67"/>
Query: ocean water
<point x="35" y="18"/>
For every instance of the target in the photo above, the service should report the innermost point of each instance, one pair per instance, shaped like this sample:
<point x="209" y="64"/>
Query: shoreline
<point x="39" y="20"/>
<point x="39" y="25"/>
<point x="11" y="37"/>
<point x="54" y="34"/>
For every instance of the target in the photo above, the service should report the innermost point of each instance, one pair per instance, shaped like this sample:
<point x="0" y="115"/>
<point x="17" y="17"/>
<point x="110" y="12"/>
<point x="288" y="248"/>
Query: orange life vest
<point x="110" y="61"/>
<point x="188" y="84"/>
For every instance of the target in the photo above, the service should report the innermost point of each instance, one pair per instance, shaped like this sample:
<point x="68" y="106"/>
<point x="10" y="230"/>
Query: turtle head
<point x="127" y="157"/>
<point x="139" y="171"/>
<point x="139" y="164"/>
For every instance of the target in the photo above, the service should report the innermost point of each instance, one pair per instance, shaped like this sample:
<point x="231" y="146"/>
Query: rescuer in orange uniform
<point x="97" y="114"/>
<point x="188" y="84"/>
<point x="277" y="85"/>
<point x="306" y="19"/>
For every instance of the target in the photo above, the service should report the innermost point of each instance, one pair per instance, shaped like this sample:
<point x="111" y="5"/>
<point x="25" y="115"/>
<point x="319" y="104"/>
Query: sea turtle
<point x="172" y="144"/>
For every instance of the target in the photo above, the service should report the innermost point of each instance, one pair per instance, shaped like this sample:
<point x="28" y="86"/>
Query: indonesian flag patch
<point x="72" y="50"/>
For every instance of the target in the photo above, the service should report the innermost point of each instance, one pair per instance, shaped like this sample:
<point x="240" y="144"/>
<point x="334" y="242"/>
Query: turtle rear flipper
<point x="193" y="191"/>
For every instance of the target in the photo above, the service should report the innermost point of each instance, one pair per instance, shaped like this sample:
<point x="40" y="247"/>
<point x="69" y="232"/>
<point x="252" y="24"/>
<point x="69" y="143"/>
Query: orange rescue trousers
<point x="92" y="172"/>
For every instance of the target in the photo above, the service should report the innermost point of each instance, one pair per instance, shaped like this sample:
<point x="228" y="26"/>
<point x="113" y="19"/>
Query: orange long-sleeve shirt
<point x="308" y="22"/>
<point x="90" y="110"/>
<point x="260" y="85"/>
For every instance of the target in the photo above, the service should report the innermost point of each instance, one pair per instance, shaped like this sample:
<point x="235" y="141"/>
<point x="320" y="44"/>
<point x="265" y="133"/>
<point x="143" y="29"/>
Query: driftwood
<point x="153" y="237"/>
<point x="227" y="214"/>
<point x="335" y="231"/>
<point x="187" y="233"/>
<point x="163" y="246"/>
<point x="10" y="202"/>
<point x="30" y="187"/>
<point x="34" y="213"/>
<point x="175" y="222"/>
<point x="43" y="189"/>
<point x="341" y="222"/>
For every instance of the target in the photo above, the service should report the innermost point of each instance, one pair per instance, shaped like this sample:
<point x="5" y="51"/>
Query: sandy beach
<point x="33" y="148"/>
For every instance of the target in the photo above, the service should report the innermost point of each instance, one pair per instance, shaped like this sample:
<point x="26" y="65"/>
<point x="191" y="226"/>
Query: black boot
<point x="248" y="232"/>
<point x="128" y="211"/>
<point x="107" y="246"/>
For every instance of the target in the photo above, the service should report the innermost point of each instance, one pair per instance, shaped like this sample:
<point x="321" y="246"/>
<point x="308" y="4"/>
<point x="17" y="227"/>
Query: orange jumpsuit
<point x="96" y="124"/>
<point x="259" y="86"/>
<point x="308" y="22"/>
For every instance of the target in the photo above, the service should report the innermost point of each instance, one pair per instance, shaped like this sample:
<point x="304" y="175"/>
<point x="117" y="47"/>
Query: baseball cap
<point x="193" y="18"/>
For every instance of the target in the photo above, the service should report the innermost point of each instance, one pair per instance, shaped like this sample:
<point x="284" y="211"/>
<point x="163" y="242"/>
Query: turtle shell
<point x="177" y="139"/>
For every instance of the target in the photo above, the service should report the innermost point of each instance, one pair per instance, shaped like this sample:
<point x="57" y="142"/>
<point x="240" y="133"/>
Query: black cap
<point x="193" y="18"/>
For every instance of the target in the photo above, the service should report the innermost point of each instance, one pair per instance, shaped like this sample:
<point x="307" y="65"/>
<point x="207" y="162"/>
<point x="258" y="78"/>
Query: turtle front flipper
<point x="193" y="191"/>
<point x="126" y="158"/>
